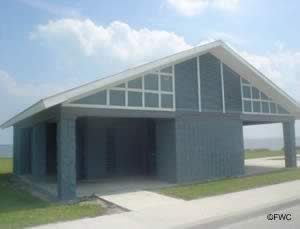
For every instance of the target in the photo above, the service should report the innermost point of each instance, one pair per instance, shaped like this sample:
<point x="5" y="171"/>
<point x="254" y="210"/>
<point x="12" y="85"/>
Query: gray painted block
<point x="290" y="144"/>
<point x="186" y="85"/>
<point x="232" y="90"/>
<point x="66" y="159"/>
<point x="208" y="148"/>
<point x="39" y="150"/>
<point x="211" y="86"/>
<point x="165" y="149"/>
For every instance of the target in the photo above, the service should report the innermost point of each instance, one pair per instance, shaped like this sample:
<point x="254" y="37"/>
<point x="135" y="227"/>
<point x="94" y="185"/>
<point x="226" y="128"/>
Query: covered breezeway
<point x="272" y="163"/>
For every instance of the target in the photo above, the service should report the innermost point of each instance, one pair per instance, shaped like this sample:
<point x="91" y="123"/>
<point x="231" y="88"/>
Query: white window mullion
<point x="107" y="97"/>
<point x="143" y="91"/>
<point x="173" y="87"/>
<point x="222" y="83"/>
<point x="199" y="84"/>
<point x="159" y="90"/>
<point x="126" y="94"/>
<point x="242" y="94"/>
<point x="251" y="99"/>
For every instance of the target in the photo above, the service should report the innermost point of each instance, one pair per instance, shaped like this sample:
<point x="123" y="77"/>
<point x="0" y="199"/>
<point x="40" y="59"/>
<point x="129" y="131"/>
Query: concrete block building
<point x="179" y="119"/>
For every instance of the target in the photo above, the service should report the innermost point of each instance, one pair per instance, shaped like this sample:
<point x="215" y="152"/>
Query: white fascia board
<point x="97" y="85"/>
<point x="256" y="78"/>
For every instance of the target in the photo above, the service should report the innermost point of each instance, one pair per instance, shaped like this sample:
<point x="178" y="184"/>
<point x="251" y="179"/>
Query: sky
<point x="50" y="46"/>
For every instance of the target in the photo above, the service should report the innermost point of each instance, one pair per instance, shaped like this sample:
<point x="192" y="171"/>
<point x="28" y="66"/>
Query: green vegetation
<point x="259" y="153"/>
<point x="19" y="209"/>
<point x="195" y="191"/>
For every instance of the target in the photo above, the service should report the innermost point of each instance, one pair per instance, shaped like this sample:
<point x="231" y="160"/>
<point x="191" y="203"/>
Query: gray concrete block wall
<point x="211" y="84"/>
<point x="208" y="148"/>
<point x="232" y="90"/>
<point x="186" y="85"/>
<point x="166" y="150"/>
<point x="39" y="150"/>
<point x="66" y="158"/>
<point x="289" y="144"/>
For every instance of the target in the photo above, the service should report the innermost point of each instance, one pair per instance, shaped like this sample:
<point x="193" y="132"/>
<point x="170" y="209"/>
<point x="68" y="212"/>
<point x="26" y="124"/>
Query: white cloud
<point x="117" y="40"/>
<point x="196" y="7"/>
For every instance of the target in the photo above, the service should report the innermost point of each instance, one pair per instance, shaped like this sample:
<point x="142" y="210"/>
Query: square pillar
<point x="66" y="159"/>
<point x="22" y="148"/>
<point x="289" y="144"/>
<point x="16" y="151"/>
<point x="39" y="151"/>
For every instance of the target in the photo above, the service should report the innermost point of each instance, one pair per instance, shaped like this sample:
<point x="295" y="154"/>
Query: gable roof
<point x="218" y="48"/>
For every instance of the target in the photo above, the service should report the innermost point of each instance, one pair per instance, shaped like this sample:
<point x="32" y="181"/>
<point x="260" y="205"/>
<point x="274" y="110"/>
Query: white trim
<point x="126" y="93"/>
<point x="217" y="48"/>
<point x="173" y="87"/>
<point x="258" y="113"/>
<point x="159" y="90"/>
<point x="222" y="84"/>
<point x="143" y="94"/>
<point x="118" y="107"/>
<point x="107" y="97"/>
<point x="199" y="84"/>
<point x="242" y="93"/>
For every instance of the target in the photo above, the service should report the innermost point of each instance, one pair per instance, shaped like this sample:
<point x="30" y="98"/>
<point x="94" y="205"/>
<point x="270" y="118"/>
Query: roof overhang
<point x="217" y="48"/>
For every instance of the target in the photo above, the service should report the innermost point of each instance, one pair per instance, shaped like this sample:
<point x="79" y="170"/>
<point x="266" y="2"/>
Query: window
<point x="135" y="99"/>
<point x="151" y="100"/>
<point x="154" y="90"/>
<point x="136" y="83"/>
<point x="246" y="92"/>
<point x="166" y="83"/>
<point x="117" y="97"/>
<point x="166" y="101"/>
<point x="247" y="106"/>
<point x="151" y="82"/>
<point x="258" y="102"/>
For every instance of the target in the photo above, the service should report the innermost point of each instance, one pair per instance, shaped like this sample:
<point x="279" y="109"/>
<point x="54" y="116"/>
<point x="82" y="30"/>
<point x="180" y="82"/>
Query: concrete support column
<point x="289" y="144"/>
<point x="39" y="150"/>
<point x="22" y="148"/>
<point x="66" y="158"/>
<point x="16" y="151"/>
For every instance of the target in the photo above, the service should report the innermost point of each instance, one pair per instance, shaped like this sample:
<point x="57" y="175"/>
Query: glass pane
<point x="281" y="110"/>
<point x="98" y="98"/>
<point x="122" y="85"/>
<point x="166" y="83"/>
<point x="255" y="93"/>
<point x="136" y="83"/>
<point x="247" y="106"/>
<point x="245" y="81"/>
<point x="135" y="99"/>
<point x="117" y="98"/>
<point x="256" y="106"/>
<point x="167" y="70"/>
<point x="151" y="82"/>
<point x="166" y="101"/>
<point x="265" y="107"/>
<point x="273" y="108"/>
<point x="151" y="100"/>
<point x="264" y="97"/>
<point x="246" y="92"/>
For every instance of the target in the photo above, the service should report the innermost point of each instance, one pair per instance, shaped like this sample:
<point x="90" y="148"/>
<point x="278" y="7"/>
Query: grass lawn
<point x="258" y="153"/>
<point x="19" y="208"/>
<point x="195" y="191"/>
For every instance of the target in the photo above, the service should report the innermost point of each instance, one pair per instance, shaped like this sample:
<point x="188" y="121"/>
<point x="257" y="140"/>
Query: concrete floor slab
<point x="139" y="200"/>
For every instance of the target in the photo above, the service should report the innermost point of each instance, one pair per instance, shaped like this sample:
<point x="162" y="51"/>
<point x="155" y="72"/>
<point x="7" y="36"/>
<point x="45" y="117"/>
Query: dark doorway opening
<point x="51" y="149"/>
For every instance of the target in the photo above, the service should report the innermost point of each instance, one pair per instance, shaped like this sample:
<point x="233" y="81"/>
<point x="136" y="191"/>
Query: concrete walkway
<point x="189" y="213"/>
<point x="139" y="200"/>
